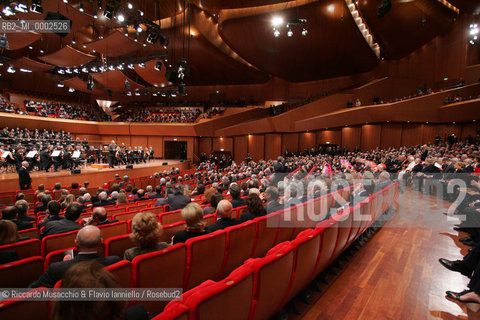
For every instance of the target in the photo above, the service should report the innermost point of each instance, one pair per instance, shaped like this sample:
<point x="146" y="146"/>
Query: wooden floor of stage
<point x="396" y="275"/>
<point x="96" y="176"/>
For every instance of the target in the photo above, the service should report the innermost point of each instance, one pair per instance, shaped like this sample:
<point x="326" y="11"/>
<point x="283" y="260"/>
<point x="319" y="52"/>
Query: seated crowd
<point x="259" y="187"/>
<point x="164" y="115"/>
<point x="58" y="110"/>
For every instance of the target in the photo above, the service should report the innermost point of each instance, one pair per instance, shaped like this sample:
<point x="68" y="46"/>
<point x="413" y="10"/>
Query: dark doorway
<point x="175" y="150"/>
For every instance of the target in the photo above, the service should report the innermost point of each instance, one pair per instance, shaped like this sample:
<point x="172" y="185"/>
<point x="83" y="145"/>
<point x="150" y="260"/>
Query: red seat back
<point x="240" y="245"/>
<point x="20" y="273"/>
<point x="266" y="233"/>
<point x="17" y="308"/>
<point x="122" y="270"/>
<point x="57" y="242"/>
<point x="116" y="246"/>
<point x="205" y="256"/>
<point x="273" y="275"/>
<point x="161" y="269"/>
<point x="113" y="229"/>
<point x="344" y="219"/>
<point x="170" y="217"/>
<point x="329" y="233"/>
<point x="24" y="249"/>
<point x="306" y="247"/>
<point x="124" y="216"/>
<point x="154" y="210"/>
<point x="170" y="230"/>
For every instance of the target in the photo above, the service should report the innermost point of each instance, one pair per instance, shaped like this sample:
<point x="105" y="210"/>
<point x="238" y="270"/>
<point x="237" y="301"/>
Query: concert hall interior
<point x="246" y="160"/>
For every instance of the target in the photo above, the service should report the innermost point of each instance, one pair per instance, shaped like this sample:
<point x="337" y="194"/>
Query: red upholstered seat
<point x="306" y="248"/>
<point x="116" y="246"/>
<point x="175" y="310"/>
<point x="170" y="217"/>
<point x="124" y="216"/>
<point x="230" y="298"/>
<point x="240" y="245"/>
<point x="170" y="230"/>
<point x="32" y="233"/>
<point x="266" y="233"/>
<point x="210" y="219"/>
<point x="113" y="229"/>
<point x="57" y="242"/>
<point x="20" y="273"/>
<point x="161" y="269"/>
<point x="205" y="257"/>
<point x="122" y="270"/>
<point x="17" y="308"/>
<point x="114" y="210"/>
<point x="24" y="249"/>
<point x="272" y="281"/>
<point x="154" y="210"/>
<point x="344" y="221"/>
<point x="329" y="233"/>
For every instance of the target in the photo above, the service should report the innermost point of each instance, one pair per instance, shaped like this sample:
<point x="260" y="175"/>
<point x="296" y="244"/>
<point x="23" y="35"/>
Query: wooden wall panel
<point x="205" y="146"/>
<point x="273" y="146"/>
<point x="106" y="139"/>
<point x="93" y="139"/>
<point x="307" y="140"/>
<point x="371" y="136"/>
<point x="331" y="136"/>
<point x="188" y="140"/>
<point x="225" y="143"/>
<point x="256" y="146"/>
<point x="469" y="130"/>
<point x="391" y="135"/>
<point x="240" y="148"/>
<point x="138" y="141"/>
<point x="289" y="142"/>
<point x="124" y="139"/>
<point x="352" y="137"/>
<point x="412" y="134"/>
<point x="157" y="144"/>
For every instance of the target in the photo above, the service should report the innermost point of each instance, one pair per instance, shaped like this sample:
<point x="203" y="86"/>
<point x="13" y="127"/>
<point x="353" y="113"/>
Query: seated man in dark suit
<point x="235" y="192"/>
<point x="99" y="217"/>
<point x="384" y="181"/>
<point x="103" y="197"/>
<point x="224" y="217"/>
<point x="157" y="194"/>
<point x="164" y="200"/>
<point x="177" y="200"/>
<point x="87" y="242"/>
<point x="272" y="200"/>
<point x="11" y="213"/>
<point x="64" y="225"/>
<point x="140" y="196"/>
<point x="22" y="208"/>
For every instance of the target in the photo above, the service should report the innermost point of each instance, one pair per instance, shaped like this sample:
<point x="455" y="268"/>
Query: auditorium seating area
<point x="57" y="110"/>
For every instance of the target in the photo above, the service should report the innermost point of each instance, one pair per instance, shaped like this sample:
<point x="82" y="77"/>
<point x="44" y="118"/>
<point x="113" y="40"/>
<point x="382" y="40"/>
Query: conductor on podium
<point x="24" y="176"/>
<point x="112" y="147"/>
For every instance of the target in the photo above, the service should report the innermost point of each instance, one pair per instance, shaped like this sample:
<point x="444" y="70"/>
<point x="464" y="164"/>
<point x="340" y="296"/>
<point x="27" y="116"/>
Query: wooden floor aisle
<point x="396" y="275"/>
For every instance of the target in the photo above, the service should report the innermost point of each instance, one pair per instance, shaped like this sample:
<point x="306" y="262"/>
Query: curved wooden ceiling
<point x="333" y="46"/>
<point x="233" y="41"/>
<point x="407" y="26"/>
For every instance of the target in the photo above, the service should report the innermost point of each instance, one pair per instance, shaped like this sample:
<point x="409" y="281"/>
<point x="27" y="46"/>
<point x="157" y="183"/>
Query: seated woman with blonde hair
<point x="193" y="215"/>
<point x="121" y="198"/>
<point x="146" y="232"/>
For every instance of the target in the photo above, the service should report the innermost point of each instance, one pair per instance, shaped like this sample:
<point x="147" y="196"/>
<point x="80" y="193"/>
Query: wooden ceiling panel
<point x="407" y="26"/>
<point x="333" y="46"/>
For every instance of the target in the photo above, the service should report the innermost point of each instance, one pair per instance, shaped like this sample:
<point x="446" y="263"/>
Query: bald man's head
<point x="99" y="214"/>
<point x="88" y="238"/>
<point x="224" y="209"/>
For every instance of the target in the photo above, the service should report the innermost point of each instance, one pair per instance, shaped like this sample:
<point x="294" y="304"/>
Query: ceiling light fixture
<point x="11" y="69"/>
<point x="81" y="7"/>
<point x="277" y="21"/>
<point x="120" y="17"/>
<point x="129" y="6"/>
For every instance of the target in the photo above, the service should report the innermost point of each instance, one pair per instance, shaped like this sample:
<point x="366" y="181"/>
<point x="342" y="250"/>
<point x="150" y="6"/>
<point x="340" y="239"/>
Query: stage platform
<point x="96" y="176"/>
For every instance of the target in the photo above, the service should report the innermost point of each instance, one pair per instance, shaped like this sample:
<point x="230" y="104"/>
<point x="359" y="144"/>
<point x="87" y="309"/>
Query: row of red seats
<point x="256" y="289"/>
<point x="260" y="287"/>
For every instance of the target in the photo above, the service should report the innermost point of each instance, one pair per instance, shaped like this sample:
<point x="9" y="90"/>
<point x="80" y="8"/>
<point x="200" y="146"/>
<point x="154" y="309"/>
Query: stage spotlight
<point x="8" y="11"/>
<point x="95" y="14"/>
<point x="85" y="70"/>
<point x="290" y="32"/>
<point x="99" y="2"/>
<point x="164" y="41"/>
<point x="276" y="33"/>
<point x="158" y="66"/>
<point x="20" y="7"/>
<point x="25" y="70"/>
<point x="76" y="70"/>
<point x="108" y="13"/>
<point x="71" y="90"/>
<point x="11" y="69"/>
<point x="140" y="13"/>
<point x="277" y="21"/>
<point x="36" y="6"/>
<point x="68" y="71"/>
<point x="60" y="85"/>
<point x="129" y="93"/>
<point x="90" y="85"/>
<point x="131" y="66"/>
<point x="137" y="93"/>
<point x="152" y="36"/>
<point x="81" y="7"/>
<point x="384" y="8"/>
<point x="141" y="64"/>
<point x="129" y="6"/>
<point x="304" y="32"/>
<point x="61" y="71"/>
<point x="120" y="17"/>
